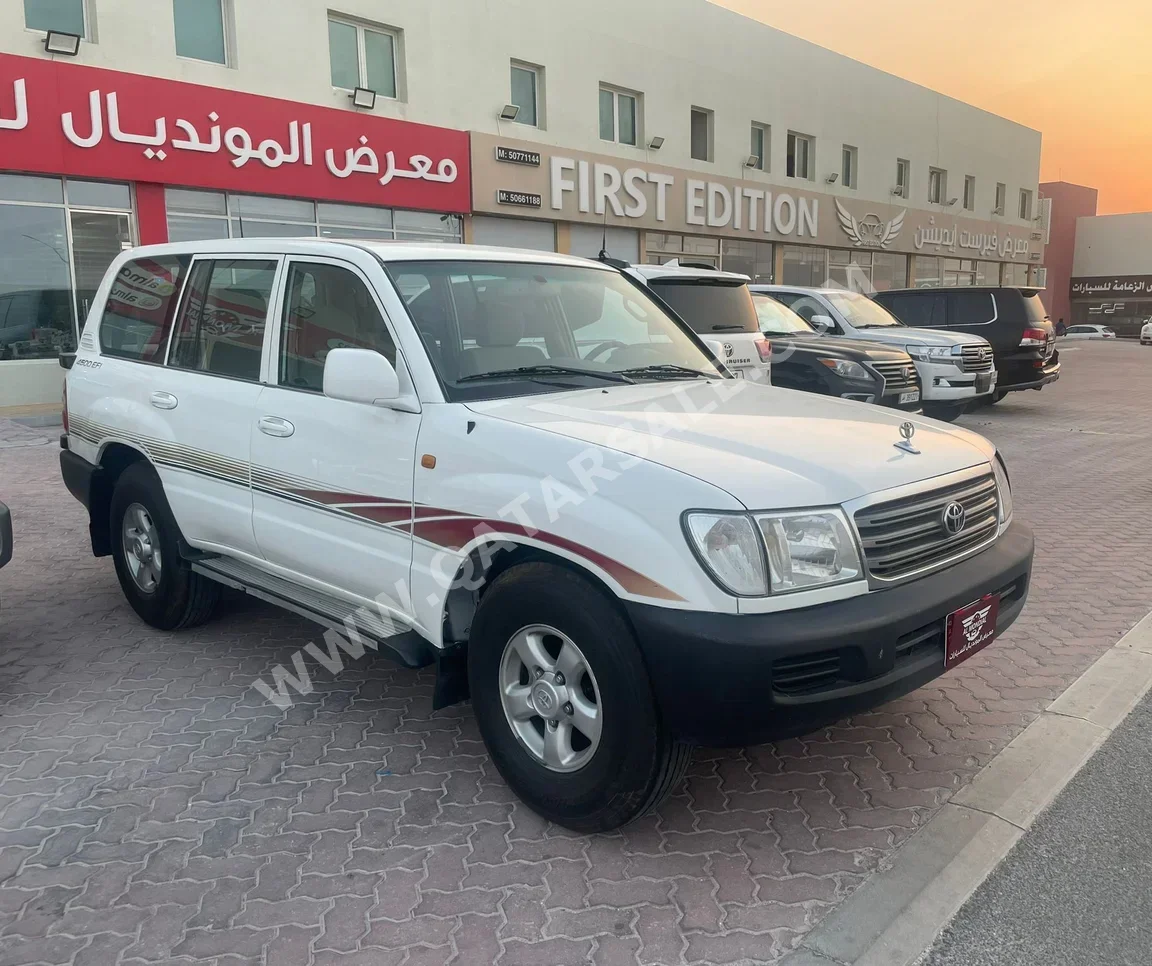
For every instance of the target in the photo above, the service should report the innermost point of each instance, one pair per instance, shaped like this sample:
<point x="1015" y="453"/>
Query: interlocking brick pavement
<point x="154" y="809"/>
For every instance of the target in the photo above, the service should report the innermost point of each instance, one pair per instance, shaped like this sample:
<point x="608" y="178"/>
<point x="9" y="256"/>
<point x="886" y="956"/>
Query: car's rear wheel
<point x="564" y="702"/>
<point x="158" y="583"/>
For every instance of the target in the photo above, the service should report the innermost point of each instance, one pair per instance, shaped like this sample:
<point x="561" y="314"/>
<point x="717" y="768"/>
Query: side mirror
<point x="717" y="349"/>
<point x="823" y="323"/>
<point x="360" y="375"/>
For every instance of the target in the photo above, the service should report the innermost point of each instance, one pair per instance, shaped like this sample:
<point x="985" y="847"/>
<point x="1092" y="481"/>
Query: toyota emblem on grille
<point x="909" y="373"/>
<point x="954" y="518"/>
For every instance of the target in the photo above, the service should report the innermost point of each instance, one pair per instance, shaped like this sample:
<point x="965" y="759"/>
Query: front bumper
<point x="5" y="535"/>
<point x="947" y="383"/>
<point x="741" y="679"/>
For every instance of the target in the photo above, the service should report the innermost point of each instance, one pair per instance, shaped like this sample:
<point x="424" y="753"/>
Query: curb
<point x="896" y="915"/>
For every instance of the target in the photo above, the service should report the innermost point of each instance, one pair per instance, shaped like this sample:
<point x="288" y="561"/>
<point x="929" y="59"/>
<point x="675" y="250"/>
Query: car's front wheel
<point x="564" y="702"/>
<point x="156" y="580"/>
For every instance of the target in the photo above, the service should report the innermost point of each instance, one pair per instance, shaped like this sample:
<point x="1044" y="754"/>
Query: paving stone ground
<point x="155" y="809"/>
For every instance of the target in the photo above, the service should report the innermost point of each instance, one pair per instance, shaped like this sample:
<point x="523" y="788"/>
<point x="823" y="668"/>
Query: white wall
<point x="678" y="53"/>
<point x="32" y="382"/>
<point x="1113" y="245"/>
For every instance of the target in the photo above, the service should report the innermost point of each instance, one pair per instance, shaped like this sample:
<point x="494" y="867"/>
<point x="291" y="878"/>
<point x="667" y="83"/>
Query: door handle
<point x="275" y="426"/>
<point x="164" y="400"/>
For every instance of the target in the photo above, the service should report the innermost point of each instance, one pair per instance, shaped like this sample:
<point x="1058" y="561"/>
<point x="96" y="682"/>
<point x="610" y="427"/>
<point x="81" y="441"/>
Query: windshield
<point x="484" y="323"/>
<point x="709" y="305"/>
<point x="861" y="311"/>
<point x="777" y="319"/>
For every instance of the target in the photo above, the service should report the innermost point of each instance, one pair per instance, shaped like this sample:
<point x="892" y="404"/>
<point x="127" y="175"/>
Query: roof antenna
<point x="604" y="238"/>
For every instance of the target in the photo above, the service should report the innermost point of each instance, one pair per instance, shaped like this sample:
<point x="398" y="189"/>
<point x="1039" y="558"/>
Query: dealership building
<point x="656" y="129"/>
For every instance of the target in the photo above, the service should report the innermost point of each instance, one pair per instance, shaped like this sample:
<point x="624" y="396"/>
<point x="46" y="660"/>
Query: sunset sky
<point x="1079" y="71"/>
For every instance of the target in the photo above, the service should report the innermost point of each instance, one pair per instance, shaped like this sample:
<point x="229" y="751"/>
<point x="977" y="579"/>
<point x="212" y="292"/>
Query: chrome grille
<point x="907" y="536"/>
<point x="976" y="358"/>
<point x="898" y="376"/>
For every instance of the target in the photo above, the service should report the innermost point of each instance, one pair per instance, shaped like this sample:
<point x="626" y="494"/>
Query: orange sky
<point x="1079" y="71"/>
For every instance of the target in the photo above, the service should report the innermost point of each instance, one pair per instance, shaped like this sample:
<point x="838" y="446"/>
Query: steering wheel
<point x="604" y="347"/>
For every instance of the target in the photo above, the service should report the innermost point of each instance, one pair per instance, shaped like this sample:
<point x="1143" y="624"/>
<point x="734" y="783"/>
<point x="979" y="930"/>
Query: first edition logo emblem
<point x="870" y="231"/>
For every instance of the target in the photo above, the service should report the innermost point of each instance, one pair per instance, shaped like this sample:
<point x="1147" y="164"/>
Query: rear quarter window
<point x="971" y="308"/>
<point x="1034" y="310"/>
<point x="137" y="318"/>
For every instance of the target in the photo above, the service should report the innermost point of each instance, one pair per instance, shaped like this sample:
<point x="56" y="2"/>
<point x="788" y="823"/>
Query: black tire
<point x="637" y="763"/>
<point x="945" y="412"/>
<point x="181" y="599"/>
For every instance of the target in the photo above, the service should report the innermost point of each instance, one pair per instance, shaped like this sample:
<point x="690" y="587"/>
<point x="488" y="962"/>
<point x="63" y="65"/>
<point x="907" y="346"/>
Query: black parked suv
<point x="1014" y="320"/>
<point x="803" y="358"/>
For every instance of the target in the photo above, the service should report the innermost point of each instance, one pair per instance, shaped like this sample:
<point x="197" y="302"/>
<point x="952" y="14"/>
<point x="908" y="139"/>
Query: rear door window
<point x="225" y="313"/>
<point x="921" y="310"/>
<point x="709" y="306"/>
<point x="970" y="308"/>
<point x="137" y="318"/>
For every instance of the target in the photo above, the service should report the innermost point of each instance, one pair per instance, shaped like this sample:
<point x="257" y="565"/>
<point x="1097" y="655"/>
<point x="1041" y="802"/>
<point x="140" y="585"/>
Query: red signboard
<point x="62" y="118"/>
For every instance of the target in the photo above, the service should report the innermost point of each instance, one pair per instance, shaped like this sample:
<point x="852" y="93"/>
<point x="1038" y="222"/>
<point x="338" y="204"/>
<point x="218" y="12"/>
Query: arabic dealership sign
<point x="59" y="118"/>
<point x="583" y="187"/>
<point x="1120" y="286"/>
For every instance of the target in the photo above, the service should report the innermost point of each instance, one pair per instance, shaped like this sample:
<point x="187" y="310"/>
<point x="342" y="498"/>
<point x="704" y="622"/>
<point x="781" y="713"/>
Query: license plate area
<point x="970" y="629"/>
<point x="984" y="382"/>
<point x="909" y="397"/>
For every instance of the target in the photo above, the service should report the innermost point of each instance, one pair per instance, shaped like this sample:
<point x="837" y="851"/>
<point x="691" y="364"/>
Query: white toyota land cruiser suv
<point x="955" y="368"/>
<point x="518" y="467"/>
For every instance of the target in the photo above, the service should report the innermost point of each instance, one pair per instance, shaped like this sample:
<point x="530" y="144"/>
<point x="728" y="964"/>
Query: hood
<point x="835" y="347"/>
<point x="907" y="335"/>
<point x="770" y="448"/>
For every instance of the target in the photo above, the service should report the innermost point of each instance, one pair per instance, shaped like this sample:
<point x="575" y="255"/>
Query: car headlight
<point x="847" y="370"/>
<point x="752" y="556"/>
<point x="935" y="353"/>
<point x="730" y="550"/>
<point x="1005" y="489"/>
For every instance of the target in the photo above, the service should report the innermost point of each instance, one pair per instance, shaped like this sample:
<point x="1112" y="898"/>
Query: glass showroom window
<point x="618" y="116"/>
<point x="200" y="30"/>
<point x="362" y="57"/>
<point x="525" y="93"/>
<point x="68" y="16"/>
<point x="204" y="215"/>
<point x="805" y="266"/>
<point x="753" y="259"/>
<point x="57" y="239"/>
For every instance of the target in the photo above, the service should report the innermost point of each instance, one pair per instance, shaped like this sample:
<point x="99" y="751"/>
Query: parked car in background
<point x="718" y="307"/>
<point x="804" y="359"/>
<point x="1146" y="333"/>
<point x="1080" y="332"/>
<point x="1013" y="320"/>
<point x="615" y="559"/>
<point x="955" y="370"/>
<point x="5" y="535"/>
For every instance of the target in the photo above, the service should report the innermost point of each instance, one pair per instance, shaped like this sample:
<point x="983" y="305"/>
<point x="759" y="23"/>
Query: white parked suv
<point x="1146" y="333"/>
<point x="518" y="467"/>
<point x="955" y="368"/>
<point x="718" y="307"/>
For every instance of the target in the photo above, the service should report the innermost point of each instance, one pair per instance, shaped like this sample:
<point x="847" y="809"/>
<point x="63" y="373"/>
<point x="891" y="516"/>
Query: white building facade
<point x="658" y="129"/>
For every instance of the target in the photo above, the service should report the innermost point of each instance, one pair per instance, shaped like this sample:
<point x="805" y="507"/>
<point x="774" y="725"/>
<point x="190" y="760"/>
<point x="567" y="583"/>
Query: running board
<point x="396" y="638"/>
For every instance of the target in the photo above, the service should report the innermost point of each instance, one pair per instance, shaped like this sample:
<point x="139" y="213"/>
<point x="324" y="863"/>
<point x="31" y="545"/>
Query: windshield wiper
<point x="727" y="328"/>
<point x="545" y="369"/>
<point x="667" y="370"/>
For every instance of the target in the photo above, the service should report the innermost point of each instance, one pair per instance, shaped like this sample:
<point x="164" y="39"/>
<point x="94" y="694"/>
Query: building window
<point x="68" y="16"/>
<point x="801" y="156"/>
<point x="1001" y="198"/>
<point x="969" y="192"/>
<point x="204" y="215"/>
<point x="761" y="146"/>
<point x="618" y="116"/>
<point x="526" y="93"/>
<point x="1025" y="204"/>
<point x="57" y="239"/>
<point x="754" y="259"/>
<point x="200" y="30"/>
<point x="848" y="173"/>
<point x="363" y="57"/>
<point x="701" y="134"/>
<point x="937" y="186"/>
<point x="903" y="177"/>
